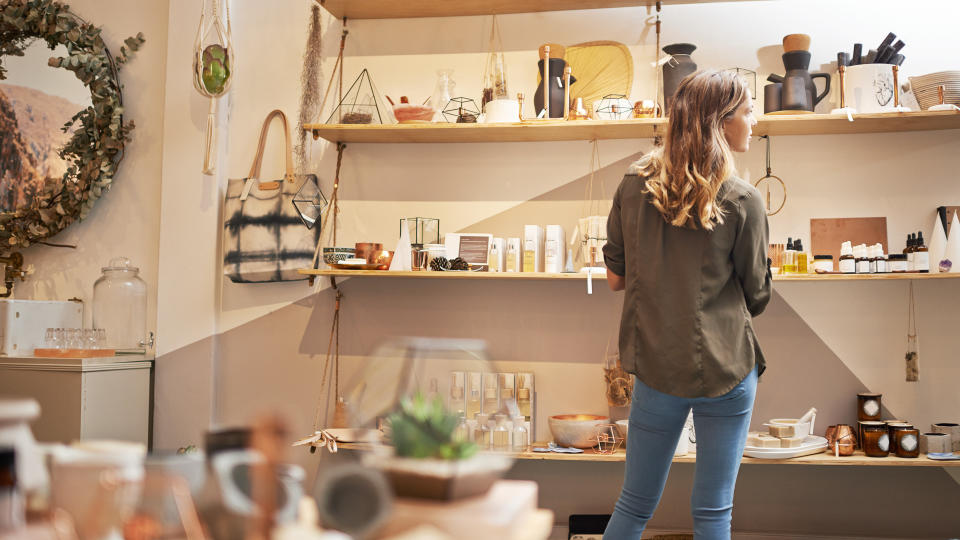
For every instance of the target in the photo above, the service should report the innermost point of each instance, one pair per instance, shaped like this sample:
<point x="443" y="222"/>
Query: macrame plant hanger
<point x="213" y="68"/>
<point x="913" y="351"/>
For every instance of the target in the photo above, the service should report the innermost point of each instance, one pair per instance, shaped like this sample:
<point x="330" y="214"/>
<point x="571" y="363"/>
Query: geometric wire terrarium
<point x="361" y="104"/>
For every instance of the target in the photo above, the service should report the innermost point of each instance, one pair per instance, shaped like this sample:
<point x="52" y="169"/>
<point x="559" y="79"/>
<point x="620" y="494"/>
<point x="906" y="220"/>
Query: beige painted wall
<point x="126" y="220"/>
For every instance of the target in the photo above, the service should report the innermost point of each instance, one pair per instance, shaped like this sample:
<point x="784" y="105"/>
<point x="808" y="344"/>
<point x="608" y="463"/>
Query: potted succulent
<point x="428" y="461"/>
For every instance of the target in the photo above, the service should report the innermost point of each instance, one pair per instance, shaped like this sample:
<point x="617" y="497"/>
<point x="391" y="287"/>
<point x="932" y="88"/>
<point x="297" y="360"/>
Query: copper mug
<point x="368" y="251"/>
<point x="841" y="440"/>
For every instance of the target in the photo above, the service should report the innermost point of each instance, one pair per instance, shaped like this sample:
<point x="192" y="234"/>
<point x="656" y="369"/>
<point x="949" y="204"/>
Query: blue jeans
<point x="656" y="420"/>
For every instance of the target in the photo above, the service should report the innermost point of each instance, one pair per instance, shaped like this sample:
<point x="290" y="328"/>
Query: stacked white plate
<point x="811" y="445"/>
<point x="925" y="88"/>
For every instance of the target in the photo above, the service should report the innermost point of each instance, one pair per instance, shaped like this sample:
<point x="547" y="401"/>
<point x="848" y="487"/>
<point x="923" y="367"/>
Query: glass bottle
<point x="789" y="265"/>
<point x="442" y="93"/>
<point x="520" y="439"/>
<point x="802" y="262"/>
<point x="848" y="264"/>
<point x="462" y="431"/>
<point x="921" y="255"/>
<point x="501" y="435"/>
<point x="120" y="306"/>
<point x="481" y="433"/>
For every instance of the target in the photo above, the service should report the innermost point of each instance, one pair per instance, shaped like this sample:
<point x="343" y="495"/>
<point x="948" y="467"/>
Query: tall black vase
<point x="557" y="65"/>
<point x="677" y="69"/>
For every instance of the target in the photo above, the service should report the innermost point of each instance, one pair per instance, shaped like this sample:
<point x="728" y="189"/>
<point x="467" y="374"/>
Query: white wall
<point x="126" y="220"/>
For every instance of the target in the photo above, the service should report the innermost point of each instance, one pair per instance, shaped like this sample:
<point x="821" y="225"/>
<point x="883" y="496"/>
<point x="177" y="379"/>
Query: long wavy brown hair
<point x="685" y="174"/>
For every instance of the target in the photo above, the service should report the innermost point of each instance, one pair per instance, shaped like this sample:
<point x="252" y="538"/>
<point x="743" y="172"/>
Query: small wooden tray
<point x="74" y="353"/>
<point x="360" y="266"/>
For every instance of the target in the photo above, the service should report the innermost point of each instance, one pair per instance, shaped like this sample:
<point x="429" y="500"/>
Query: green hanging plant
<point x="216" y="68"/>
<point x="100" y="134"/>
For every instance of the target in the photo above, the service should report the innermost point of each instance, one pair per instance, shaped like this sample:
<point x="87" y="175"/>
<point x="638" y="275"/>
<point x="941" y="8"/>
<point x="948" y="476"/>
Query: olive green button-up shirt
<point x="686" y="328"/>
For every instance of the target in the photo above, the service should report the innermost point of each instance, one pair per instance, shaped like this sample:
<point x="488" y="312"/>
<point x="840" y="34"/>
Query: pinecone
<point x="439" y="264"/>
<point x="459" y="264"/>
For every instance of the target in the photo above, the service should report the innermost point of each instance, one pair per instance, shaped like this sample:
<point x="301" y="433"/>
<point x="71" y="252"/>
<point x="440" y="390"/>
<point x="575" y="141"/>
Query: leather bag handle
<point x="288" y="151"/>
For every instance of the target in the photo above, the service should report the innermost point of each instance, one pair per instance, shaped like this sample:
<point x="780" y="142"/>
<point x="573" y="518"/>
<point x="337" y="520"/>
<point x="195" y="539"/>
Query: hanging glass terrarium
<point x="361" y="104"/>
<point x="494" y="74"/>
<point x="310" y="201"/>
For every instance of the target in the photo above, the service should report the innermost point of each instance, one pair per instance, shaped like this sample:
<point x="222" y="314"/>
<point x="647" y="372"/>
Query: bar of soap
<point x="753" y="438"/>
<point x="766" y="441"/>
<point x="783" y="431"/>
<point x="791" y="442"/>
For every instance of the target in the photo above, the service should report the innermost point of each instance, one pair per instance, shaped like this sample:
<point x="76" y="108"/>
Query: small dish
<point x="336" y="255"/>
<point x="576" y="430"/>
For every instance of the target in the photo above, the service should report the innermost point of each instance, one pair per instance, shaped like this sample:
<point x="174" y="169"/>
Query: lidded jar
<point x="120" y="306"/>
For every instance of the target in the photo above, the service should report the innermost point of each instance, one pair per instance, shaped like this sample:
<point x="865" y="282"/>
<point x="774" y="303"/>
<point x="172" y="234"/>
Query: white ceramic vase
<point x="952" y="253"/>
<point x="938" y="244"/>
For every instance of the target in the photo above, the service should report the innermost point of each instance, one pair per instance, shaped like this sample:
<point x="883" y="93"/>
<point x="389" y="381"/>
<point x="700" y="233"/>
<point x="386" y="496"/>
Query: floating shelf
<point x="823" y="458"/>
<point x="642" y="128"/>
<point x="403" y="9"/>
<point x="541" y="276"/>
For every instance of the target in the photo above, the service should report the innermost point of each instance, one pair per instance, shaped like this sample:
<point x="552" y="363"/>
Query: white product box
<point x="514" y="255"/>
<point x="532" y="248"/>
<point x="555" y="250"/>
<point x="23" y="323"/>
<point x="498" y="255"/>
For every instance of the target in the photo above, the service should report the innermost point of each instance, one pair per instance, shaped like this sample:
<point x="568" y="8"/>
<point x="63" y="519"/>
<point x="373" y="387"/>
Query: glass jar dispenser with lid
<point x="120" y="306"/>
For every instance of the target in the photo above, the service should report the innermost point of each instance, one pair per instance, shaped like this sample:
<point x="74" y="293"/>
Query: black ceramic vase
<point x="557" y="65"/>
<point x="677" y="68"/>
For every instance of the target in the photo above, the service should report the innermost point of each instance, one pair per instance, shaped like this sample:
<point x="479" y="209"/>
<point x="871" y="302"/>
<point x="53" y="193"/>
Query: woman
<point x="687" y="241"/>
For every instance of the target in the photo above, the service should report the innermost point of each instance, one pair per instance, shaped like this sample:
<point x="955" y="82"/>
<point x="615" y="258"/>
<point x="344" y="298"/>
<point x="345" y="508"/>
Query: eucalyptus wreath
<point x="96" y="147"/>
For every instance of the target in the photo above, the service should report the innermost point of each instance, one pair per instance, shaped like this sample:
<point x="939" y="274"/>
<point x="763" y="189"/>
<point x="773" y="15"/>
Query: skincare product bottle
<point x="789" y="265"/>
<point x="514" y="255"/>
<point x="507" y="385"/>
<point x="474" y="387"/>
<point x="532" y="248"/>
<point x="908" y="251"/>
<point x="882" y="267"/>
<point x="491" y="397"/>
<point x="822" y="264"/>
<point x="921" y="255"/>
<point x="863" y="258"/>
<point x="802" y="267"/>
<point x="495" y="258"/>
<point x="872" y="257"/>
<point x="462" y="431"/>
<point x="848" y="264"/>
<point x="525" y="395"/>
<point x="501" y="435"/>
<point x="897" y="263"/>
<point x="481" y="433"/>
<point x="520" y="439"/>
<point x="456" y="399"/>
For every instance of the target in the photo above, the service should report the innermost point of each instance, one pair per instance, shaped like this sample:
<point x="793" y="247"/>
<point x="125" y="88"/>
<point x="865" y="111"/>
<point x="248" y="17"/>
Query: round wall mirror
<point x="62" y="131"/>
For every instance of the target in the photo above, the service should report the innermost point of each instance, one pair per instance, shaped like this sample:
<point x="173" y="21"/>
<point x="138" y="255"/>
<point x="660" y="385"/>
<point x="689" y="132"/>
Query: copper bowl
<point x="382" y="259"/>
<point x="367" y="250"/>
<point x="577" y="430"/>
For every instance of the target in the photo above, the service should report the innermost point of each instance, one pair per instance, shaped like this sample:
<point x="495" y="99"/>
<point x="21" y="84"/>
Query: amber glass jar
<point x="876" y="439"/>
<point x="908" y="442"/>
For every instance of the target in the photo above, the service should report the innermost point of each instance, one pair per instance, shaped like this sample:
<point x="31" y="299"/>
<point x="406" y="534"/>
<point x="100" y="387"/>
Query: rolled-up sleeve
<point x="750" y="253"/>
<point x="613" y="254"/>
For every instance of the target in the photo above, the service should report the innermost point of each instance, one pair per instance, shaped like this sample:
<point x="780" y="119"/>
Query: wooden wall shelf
<point x="541" y="276"/>
<point x="643" y="128"/>
<point x="403" y="9"/>
<point x="858" y="459"/>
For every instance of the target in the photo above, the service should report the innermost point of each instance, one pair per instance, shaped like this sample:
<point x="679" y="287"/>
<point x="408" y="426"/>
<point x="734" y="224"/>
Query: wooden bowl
<point x="576" y="430"/>
<point x="796" y="42"/>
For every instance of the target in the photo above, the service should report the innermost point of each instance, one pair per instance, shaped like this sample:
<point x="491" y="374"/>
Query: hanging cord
<point x="588" y="196"/>
<point x="338" y="69"/>
<point x="333" y="351"/>
<point x="656" y="63"/>
<point x="333" y="210"/>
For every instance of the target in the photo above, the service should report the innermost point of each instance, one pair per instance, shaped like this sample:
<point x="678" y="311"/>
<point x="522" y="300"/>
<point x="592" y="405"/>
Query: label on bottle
<point x="910" y="262"/>
<point x="884" y="442"/>
<point x="848" y="266"/>
<point x="863" y="267"/>
<point x="881" y="266"/>
<point x="873" y="267"/>
<point x="921" y="261"/>
<point x="908" y="442"/>
<point x="530" y="261"/>
<point x="871" y="407"/>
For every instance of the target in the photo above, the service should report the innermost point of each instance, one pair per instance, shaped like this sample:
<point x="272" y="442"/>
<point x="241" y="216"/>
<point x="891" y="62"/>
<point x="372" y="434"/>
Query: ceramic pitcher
<point x="557" y="65"/>
<point x="799" y="91"/>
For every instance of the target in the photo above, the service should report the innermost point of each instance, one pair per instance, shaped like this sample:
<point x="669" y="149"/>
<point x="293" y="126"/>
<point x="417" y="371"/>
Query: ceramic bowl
<point x="336" y="255"/>
<point x="409" y="113"/>
<point x="576" y="430"/>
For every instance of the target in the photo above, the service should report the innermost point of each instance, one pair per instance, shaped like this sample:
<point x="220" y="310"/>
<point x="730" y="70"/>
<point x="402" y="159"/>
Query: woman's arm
<point x="750" y="253"/>
<point x="613" y="254"/>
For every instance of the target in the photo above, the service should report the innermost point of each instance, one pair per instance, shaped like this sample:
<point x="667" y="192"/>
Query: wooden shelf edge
<point x="406" y="9"/>
<point x="559" y="130"/>
<point x="541" y="276"/>
<point x="822" y="459"/>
